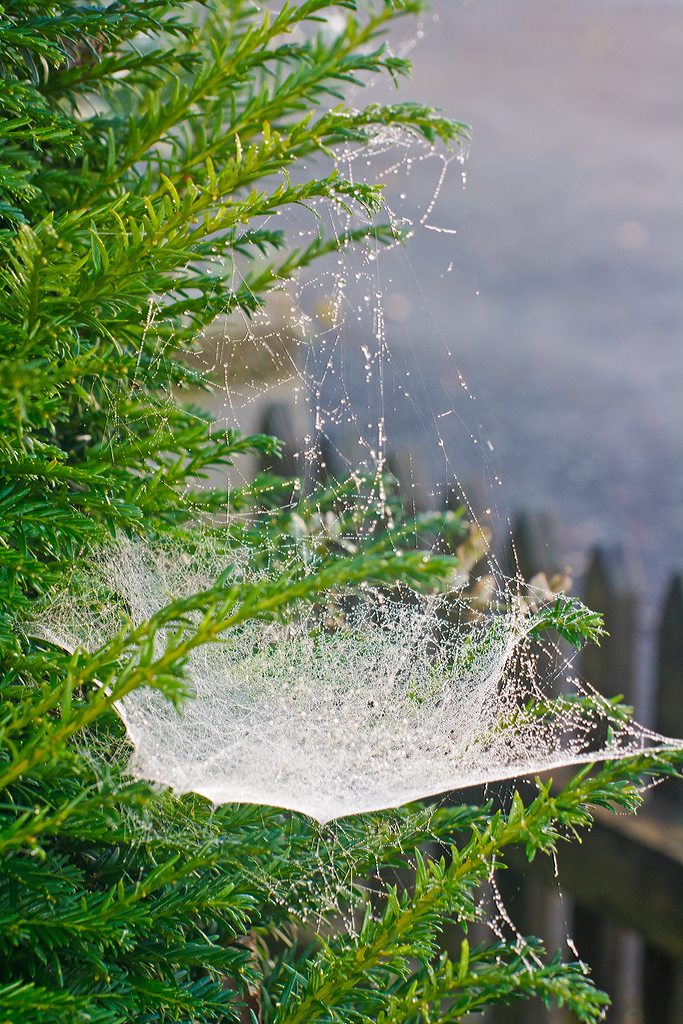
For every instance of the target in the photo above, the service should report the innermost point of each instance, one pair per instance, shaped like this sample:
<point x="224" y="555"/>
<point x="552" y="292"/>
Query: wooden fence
<point x="618" y="895"/>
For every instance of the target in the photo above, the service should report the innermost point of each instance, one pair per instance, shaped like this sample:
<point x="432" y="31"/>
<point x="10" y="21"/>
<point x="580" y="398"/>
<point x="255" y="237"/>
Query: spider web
<point x="398" y="699"/>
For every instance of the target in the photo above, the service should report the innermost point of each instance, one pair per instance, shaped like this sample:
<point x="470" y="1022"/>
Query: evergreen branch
<point x="407" y="924"/>
<point x="22" y="1002"/>
<point x="572" y="620"/>
<point x="494" y="975"/>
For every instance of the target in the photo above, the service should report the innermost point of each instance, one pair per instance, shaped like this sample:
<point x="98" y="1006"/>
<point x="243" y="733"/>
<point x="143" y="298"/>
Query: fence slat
<point x="669" y="682"/>
<point x="669" y="702"/>
<point x="611" y="588"/>
<point x="534" y="547"/>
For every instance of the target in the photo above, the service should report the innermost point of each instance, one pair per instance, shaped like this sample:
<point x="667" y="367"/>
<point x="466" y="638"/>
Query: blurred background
<point x="544" y="339"/>
<point x="563" y="307"/>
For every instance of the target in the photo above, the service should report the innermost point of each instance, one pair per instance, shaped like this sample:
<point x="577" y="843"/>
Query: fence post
<point x="669" y="693"/>
<point x="663" y="1003"/>
<point x="669" y="680"/>
<point x="610" y="587"/>
<point x="533" y="547"/>
<point x="406" y="467"/>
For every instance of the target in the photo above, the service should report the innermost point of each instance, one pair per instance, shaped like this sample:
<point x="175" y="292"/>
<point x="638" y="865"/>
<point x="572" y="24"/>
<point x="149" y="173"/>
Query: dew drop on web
<point x="382" y="697"/>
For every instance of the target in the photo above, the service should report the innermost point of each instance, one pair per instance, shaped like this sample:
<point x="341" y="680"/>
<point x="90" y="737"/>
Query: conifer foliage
<point x="138" y="140"/>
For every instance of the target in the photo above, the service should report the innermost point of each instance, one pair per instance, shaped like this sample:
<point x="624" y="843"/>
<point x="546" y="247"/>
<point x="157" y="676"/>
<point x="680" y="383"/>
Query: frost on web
<point x="392" y="702"/>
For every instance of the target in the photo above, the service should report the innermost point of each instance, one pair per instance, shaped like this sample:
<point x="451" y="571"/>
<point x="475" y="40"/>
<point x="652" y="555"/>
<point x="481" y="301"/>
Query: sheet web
<point x="382" y="700"/>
